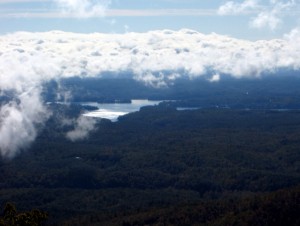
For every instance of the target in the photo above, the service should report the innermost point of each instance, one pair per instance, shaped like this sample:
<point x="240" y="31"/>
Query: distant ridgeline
<point x="268" y="92"/>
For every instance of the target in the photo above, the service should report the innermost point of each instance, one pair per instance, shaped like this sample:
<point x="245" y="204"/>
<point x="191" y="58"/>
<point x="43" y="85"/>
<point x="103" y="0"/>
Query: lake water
<point x="113" y="111"/>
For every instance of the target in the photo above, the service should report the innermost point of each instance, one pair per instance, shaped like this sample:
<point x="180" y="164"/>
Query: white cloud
<point x="64" y="13"/>
<point x="157" y="58"/>
<point x="160" y="12"/>
<point x="20" y="1"/>
<point x="272" y="18"/>
<point x="84" y="125"/>
<point x="235" y="8"/>
<point x="266" y="19"/>
<point x="269" y="15"/>
<point x="154" y="55"/>
<point x="83" y="8"/>
<point x="215" y="78"/>
<point x="18" y="121"/>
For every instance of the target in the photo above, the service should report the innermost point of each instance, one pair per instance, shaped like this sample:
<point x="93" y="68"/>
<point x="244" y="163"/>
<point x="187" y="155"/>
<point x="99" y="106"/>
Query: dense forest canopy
<point x="231" y="154"/>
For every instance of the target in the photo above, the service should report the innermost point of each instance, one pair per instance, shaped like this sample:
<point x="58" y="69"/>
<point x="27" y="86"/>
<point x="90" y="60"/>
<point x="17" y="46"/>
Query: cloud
<point x="40" y="13"/>
<point x="83" y="8"/>
<point x="20" y="1"/>
<point x="269" y="15"/>
<point x="84" y="125"/>
<point x="27" y="60"/>
<point x="272" y="18"/>
<point x="235" y="8"/>
<point x="18" y="120"/>
<point x="215" y="78"/>
<point x="160" y="12"/>
<point x="266" y="19"/>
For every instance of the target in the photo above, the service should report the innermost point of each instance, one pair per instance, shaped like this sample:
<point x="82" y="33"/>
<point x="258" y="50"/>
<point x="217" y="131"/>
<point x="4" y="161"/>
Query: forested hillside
<point x="155" y="160"/>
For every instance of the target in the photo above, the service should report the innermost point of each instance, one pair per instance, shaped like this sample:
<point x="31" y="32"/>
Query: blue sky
<point x="235" y="19"/>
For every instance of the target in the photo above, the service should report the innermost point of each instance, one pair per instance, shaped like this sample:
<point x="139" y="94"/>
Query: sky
<point x="154" y="41"/>
<point x="245" y="19"/>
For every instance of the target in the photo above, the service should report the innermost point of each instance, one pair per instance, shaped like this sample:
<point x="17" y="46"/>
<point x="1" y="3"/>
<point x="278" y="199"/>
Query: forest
<point x="228" y="165"/>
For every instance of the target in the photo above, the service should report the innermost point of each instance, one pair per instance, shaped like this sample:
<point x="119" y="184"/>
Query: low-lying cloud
<point x="27" y="60"/>
<point x="83" y="127"/>
<point x="18" y="122"/>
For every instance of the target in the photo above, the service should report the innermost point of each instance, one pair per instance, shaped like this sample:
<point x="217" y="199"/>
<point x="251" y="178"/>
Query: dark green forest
<point x="155" y="158"/>
<point x="161" y="166"/>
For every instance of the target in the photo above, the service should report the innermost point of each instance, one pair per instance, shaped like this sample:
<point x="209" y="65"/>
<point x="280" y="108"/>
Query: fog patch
<point x="18" y="122"/>
<point x="83" y="127"/>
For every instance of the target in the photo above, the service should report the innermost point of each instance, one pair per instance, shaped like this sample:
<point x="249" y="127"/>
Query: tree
<point x="29" y="218"/>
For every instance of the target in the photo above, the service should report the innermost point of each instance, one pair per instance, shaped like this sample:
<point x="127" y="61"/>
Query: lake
<point x="112" y="111"/>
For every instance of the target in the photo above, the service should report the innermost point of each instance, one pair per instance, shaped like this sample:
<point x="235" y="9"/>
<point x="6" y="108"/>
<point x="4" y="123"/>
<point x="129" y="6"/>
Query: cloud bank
<point x="27" y="60"/>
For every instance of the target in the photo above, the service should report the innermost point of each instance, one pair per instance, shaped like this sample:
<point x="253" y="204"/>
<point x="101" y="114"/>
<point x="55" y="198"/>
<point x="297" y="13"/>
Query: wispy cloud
<point x="20" y="1"/>
<point x="41" y="13"/>
<point x="273" y="18"/>
<point x="84" y="126"/>
<point x="83" y="8"/>
<point x="18" y="121"/>
<point x="236" y="8"/>
<point x="269" y="15"/>
<point x="162" y="12"/>
<point x="92" y="9"/>
<point x="57" y="9"/>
